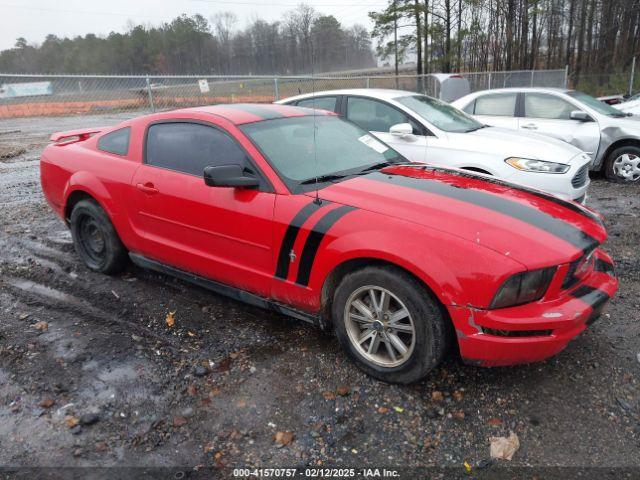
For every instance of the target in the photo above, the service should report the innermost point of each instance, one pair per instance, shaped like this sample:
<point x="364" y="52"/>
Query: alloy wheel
<point x="379" y="326"/>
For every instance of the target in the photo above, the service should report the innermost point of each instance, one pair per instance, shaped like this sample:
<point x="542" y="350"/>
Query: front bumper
<point x="535" y="331"/>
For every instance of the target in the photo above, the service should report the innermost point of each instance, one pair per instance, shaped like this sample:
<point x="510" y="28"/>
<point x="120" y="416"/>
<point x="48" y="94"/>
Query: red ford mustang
<point x="307" y="214"/>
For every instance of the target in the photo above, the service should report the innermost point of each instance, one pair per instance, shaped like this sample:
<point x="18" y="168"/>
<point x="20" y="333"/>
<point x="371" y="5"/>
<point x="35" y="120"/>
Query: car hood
<point x="623" y="124"/>
<point x="627" y="105"/>
<point x="529" y="226"/>
<point x="511" y="143"/>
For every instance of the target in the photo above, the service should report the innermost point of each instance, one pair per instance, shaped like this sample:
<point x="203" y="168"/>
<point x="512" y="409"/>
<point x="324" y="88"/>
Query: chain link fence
<point x="608" y="84"/>
<point x="55" y="95"/>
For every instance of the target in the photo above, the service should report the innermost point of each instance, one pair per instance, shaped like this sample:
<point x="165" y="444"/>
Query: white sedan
<point x="610" y="136"/>
<point x="427" y="130"/>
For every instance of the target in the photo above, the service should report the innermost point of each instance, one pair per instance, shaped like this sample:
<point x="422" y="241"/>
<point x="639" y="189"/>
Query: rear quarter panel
<point x="80" y="166"/>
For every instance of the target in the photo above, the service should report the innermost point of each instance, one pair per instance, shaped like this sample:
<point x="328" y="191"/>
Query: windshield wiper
<point x="376" y="166"/>
<point x="476" y="128"/>
<point x="324" y="178"/>
<point x="338" y="176"/>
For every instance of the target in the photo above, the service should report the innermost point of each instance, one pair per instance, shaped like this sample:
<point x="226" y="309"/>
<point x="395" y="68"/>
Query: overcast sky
<point x="34" y="19"/>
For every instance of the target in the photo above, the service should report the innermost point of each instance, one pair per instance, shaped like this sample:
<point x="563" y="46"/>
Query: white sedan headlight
<point x="538" y="166"/>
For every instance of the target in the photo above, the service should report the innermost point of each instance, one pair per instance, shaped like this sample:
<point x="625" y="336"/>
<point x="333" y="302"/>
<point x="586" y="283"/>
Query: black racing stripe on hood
<point x="563" y="203"/>
<point x="290" y="235"/>
<point x="263" y="112"/>
<point x="312" y="244"/>
<point x="546" y="196"/>
<point x="539" y="219"/>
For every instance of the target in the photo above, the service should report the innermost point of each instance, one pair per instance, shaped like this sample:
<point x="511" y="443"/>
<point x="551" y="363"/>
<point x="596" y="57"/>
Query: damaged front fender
<point x="612" y="134"/>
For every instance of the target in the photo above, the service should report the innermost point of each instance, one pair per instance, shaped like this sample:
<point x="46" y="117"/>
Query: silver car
<point x="609" y="136"/>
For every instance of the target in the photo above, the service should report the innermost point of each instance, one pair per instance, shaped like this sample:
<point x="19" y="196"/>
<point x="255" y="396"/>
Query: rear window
<point x="115" y="142"/>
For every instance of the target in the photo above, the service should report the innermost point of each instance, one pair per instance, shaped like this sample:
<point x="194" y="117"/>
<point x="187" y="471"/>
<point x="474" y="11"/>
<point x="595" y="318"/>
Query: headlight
<point x="538" y="166"/>
<point x="523" y="287"/>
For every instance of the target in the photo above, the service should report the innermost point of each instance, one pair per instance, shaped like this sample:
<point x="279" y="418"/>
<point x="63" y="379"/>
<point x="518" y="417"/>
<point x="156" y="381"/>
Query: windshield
<point x="339" y="148"/>
<point x="440" y="114"/>
<point x="595" y="104"/>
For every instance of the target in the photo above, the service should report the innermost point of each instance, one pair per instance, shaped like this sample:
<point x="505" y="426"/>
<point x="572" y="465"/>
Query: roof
<point x="241" y="113"/>
<point x="524" y="89"/>
<point x="381" y="93"/>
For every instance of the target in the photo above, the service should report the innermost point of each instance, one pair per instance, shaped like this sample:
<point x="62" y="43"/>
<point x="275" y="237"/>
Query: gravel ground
<point x="91" y="375"/>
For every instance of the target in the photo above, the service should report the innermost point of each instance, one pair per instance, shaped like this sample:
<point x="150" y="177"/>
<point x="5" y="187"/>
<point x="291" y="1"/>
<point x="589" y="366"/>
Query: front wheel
<point x="623" y="165"/>
<point x="389" y="325"/>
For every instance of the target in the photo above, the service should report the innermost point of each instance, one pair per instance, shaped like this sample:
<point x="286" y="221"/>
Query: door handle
<point x="530" y="126"/>
<point x="147" y="188"/>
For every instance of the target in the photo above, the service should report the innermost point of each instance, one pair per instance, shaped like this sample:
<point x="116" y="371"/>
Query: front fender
<point x="610" y="139"/>
<point x="457" y="271"/>
<point x="438" y="279"/>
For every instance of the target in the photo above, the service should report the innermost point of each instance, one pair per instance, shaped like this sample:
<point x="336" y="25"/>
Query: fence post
<point x="489" y="87"/>
<point x="276" y="88"/>
<point x="532" y="71"/>
<point x="150" y="95"/>
<point x="633" y="72"/>
<point x="566" y="76"/>
<point x="367" y="85"/>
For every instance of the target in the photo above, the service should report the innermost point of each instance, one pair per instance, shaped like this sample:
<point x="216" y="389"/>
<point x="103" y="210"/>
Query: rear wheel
<point x="389" y="325"/>
<point x="623" y="165"/>
<point x="95" y="239"/>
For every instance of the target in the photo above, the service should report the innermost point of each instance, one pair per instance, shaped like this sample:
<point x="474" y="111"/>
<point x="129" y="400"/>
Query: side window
<point x="541" y="105"/>
<point x="115" y="142"/>
<point x="374" y="116"/>
<point x="190" y="147"/>
<point x="499" y="104"/>
<point x="323" y="103"/>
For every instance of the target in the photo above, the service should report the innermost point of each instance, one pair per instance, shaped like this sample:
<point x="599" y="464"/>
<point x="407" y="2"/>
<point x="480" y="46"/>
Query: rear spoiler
<point x="79" y="135"/>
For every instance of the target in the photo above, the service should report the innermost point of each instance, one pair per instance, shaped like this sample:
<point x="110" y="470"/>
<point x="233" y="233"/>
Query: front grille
<point x="517" y="333"/>
<point x="581" y="177"/>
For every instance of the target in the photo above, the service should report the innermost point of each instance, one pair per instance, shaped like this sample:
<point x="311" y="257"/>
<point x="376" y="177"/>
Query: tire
<point x="95" y="239"/>
<point x="624" y="157"/>
<point x="425" y="348"/>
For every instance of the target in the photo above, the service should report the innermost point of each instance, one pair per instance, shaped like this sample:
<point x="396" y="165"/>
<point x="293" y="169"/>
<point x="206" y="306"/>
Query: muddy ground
<point x="90" y="373"/>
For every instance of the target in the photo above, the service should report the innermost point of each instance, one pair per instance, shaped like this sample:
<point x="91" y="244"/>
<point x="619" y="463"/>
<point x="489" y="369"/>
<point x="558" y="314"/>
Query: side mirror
<point x="401" y="129"/>
<point x="229" y="176"/>
<point x="580" y="115"/>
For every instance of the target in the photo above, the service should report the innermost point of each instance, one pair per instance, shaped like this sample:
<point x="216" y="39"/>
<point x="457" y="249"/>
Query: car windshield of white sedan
<point x="596" y="104"/>
<point x="440" y="114"/>
<point x="337" y="150"/>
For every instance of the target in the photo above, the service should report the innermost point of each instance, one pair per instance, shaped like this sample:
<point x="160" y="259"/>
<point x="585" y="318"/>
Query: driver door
<point x="549" y="114"/>
<point x="222" y="233"/>
<point x="378" y="117"/>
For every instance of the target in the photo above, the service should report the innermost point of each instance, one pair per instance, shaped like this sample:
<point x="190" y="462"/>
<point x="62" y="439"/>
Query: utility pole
<point x="633" y="71"/>
<point x="395" y="38"/>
